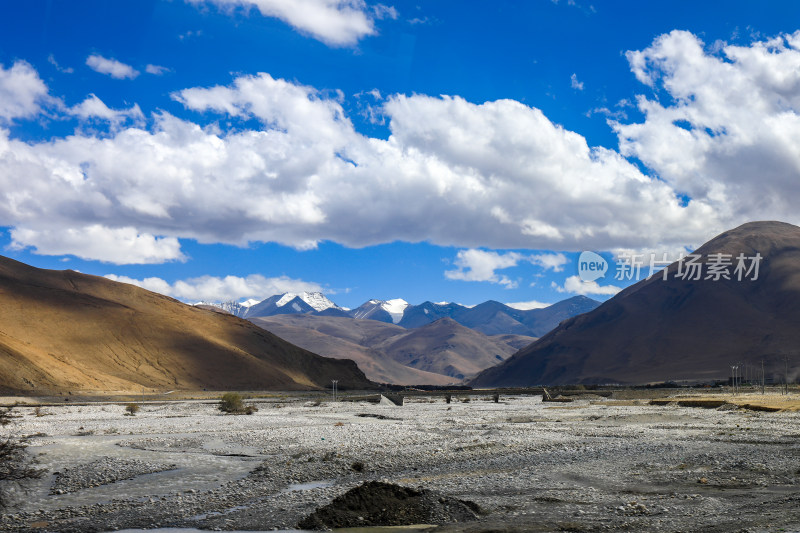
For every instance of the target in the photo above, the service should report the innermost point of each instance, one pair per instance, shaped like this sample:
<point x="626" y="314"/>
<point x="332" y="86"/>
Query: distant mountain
<point x="347" y="338"/>
<point x="495" y="318"/>
<point x="541" y="321"/>
<point x="446" y="347"/>
<point x="490" y="318"/>
<point x="66" y="331"/>
<point x="316" y="300"/>
<point x="438" y="353"/>
<point x="280" y="304"/>
<point x="427" y="312"/>
<point x="680" y="328"/>
<point x="232" y="307"/>
<point x="381" y="310"/>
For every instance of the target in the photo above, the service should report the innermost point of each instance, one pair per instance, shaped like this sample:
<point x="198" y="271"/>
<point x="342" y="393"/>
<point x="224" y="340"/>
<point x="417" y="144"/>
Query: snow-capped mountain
<point x="280" y="304"/>
<point x="233" y="307"/>
<point x="317" y="300"/>
<point x="381" y="310"/>
<point x="490" y="318"/>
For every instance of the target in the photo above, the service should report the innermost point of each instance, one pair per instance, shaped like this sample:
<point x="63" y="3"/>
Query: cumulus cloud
<point x="21" y="91"/>
<point x="498" y="174"/>
<point x="574" y="285"/>
<point x="554" y="262"/>
<point x="334" y="22"/>
<point x="219" y="289"/>
<point x="724" y="131"/>
<point x="720" y="148"/>
<point x="112" y="67"/>
<point x="94" y="108"/>
<point x="480" y="265"/>
<point x="112" y="245"/>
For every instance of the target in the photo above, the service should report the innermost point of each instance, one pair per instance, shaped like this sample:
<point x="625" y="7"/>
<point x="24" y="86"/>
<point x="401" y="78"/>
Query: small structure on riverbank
<point x="381" y="399"/>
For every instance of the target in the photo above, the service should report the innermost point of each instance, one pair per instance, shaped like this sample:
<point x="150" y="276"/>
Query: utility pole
<point x="786" y="374"/>
<point x="763" y="378"/>
<point x="334" y="381"/>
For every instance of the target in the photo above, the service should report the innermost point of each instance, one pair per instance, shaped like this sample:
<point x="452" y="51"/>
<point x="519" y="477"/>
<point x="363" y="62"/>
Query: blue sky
<point x="445" y="151"/>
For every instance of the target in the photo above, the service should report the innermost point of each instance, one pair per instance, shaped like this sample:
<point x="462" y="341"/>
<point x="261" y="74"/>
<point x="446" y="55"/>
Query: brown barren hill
<point x="62" y="330"/>
<point x="446" y="347"/>
<point x="679" y="329"/>
<point x="438" y="353"/>
<point x="350" y="338"/>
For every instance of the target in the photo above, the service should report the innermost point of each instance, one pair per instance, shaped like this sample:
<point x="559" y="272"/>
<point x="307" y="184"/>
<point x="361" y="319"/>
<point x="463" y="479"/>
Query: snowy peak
<point x="232" y="307"/>
<point x="395" y="308"/>
<point x="490" y="318"/>
<point x="317" y="300"/>
<point x="382" y="310"/>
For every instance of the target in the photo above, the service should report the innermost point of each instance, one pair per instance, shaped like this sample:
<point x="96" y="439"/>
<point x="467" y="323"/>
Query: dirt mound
<point x="384" y="504"/>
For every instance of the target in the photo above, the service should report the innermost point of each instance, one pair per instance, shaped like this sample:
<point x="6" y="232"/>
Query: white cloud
<point x="480" y="265"/>
<point x="499" y="174"/>
<point x="527" y="306"/>
<point x="21" y="91"/>
<point x="217" y="289"/>
<point x="574" y="83"/>
<point x="334" y="22"/>
<point x="93" y="107"/>
<point x="574" y="285"/>
<point x="724" y="129"/>
<point x="382" y="11"/>
<point x="495" y="175"/>
<point x="156" y="70"/>
<point x="112" y="67"/>
<point x="554" y="262"/>
<point x="52" y="60"/>
<point x="110" y="245"/>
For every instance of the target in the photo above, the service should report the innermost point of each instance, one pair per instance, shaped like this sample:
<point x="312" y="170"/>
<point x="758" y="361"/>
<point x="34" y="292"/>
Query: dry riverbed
<point x="590" y="465"/>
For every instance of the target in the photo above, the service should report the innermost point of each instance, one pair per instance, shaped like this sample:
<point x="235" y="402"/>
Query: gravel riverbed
<point x="596" y="465"/>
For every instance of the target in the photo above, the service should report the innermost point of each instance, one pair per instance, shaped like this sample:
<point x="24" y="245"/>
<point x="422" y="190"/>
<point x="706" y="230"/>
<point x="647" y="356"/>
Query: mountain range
<point x="67" y="331"/>
<point x="439" y="353"/>
<point x="490" y="318"/>
<point x="395" y="342"/>
<point x="685" y="327"/>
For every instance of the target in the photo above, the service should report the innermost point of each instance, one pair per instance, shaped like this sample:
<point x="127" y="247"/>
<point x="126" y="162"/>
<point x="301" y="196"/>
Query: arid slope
<point x="62" y="330"/>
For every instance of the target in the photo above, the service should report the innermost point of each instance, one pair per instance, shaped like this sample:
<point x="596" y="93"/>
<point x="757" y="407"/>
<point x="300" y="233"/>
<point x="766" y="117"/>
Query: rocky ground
<point x="589" y="465"/>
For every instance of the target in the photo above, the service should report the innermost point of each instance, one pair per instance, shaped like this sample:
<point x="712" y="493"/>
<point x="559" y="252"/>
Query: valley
<point x="590" y="465"/>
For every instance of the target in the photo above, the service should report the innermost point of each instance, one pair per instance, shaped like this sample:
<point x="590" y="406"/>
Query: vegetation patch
<point x="232" y="403"/>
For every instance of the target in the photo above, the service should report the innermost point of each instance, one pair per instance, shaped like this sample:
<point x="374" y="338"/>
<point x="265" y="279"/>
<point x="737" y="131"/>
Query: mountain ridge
<point x="67" y="331"/>
<point x="677" y="329"/>
<point x="440" y="353"/>
<point x="490" y="317"/>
